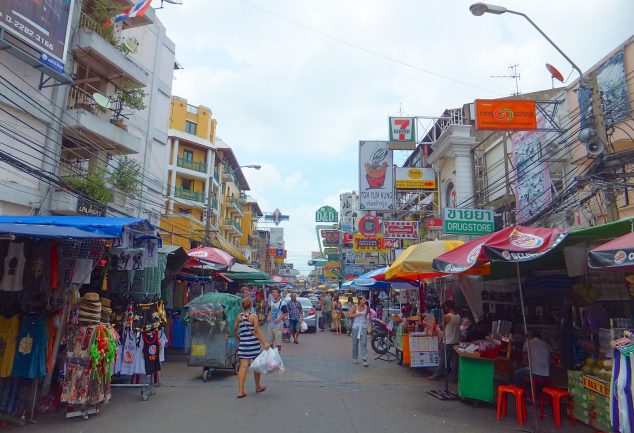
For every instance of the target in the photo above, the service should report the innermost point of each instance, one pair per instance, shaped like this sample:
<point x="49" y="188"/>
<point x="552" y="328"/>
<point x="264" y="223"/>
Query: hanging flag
<point x="138" y="10"/>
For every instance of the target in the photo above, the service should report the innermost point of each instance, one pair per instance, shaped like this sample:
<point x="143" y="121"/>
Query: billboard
<point x="349" y="204"/>
<point x="612" y="82"/>
<point x="505" y="114"/>
<point x="400" y="229"/>
<point x="43" y="25"/>
<point x="330" y="238"/>
<point x="365" y="244"/>
<point x="415" y="178"/>
<point x="376" y="179"/>
<point x="276" y="237"/>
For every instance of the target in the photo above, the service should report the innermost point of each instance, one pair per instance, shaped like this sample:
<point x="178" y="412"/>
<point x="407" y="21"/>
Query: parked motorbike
<point x="382" y="336"/>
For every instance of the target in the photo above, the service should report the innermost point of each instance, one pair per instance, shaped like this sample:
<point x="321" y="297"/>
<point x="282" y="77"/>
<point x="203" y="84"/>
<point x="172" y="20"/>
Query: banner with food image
<point x="376" y="177"/>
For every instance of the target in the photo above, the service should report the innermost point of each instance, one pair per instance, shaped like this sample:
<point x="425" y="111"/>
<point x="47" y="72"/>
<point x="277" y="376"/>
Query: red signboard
<point x="347" y="238"/>
<point x="369" y="225"/>
<point x="400" y="229"/>
<point x="505" y="114"/>
<point x="330" y="237"/>
<point x="392" y="244"/>
<point x="434" y="224"/>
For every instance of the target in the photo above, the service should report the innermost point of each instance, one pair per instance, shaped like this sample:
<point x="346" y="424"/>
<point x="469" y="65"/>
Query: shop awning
<point x="239" y="267"/>
<point x="72" y="226"/>
<point x="246" y="276"/>
<point x="616" y="255"/>
<point x="211" y="256"/>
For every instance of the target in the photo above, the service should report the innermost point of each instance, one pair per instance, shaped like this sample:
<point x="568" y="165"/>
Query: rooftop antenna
<point x="172" y="2"/>
<point x="515" y="75"/>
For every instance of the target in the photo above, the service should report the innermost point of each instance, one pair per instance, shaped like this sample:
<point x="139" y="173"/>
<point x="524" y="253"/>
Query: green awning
<point x="265" y="282"/>
<point x="592" y="236"/>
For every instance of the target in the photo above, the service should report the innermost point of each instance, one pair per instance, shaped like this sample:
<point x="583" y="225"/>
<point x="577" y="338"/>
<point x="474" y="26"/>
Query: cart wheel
<point x="145" y="397"/>
<point x="399" y="357"/>
<point x="205" y="375"/>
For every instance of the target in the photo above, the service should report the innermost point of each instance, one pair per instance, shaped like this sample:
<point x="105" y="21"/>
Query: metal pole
<point x="528" y="346"/>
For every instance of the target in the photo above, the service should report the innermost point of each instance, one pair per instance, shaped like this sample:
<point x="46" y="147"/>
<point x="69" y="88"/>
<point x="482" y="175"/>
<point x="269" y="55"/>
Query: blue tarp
<point x="71" y="226"/>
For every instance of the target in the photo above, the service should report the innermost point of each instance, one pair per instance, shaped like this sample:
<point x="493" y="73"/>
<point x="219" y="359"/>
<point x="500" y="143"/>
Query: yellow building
<point x="250" y="236"/>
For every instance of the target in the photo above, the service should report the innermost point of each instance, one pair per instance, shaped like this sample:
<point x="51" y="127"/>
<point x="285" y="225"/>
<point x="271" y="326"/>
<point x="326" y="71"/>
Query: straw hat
<point x="105" y="302"/>
<point x="91" y="296"/>
<point x="90" y="307"/>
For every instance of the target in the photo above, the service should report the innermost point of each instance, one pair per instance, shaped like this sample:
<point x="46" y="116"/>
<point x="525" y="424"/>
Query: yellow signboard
<point x="329" y="274"/>
<point x="415" y="178"/>
<point x="199" y="350"/>
<point x="595" y="385"/>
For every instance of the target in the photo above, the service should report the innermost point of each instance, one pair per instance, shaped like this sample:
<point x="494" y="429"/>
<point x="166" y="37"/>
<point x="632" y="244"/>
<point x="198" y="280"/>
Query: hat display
<point x="91" y="296"/>
<point x="105" y="302"/>
<point x="90" y="309"/>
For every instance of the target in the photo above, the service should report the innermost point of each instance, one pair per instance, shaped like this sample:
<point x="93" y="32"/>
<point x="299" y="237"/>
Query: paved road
<point x="321" y="391"/>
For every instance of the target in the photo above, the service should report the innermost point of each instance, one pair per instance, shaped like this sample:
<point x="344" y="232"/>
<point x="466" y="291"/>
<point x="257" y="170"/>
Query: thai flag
<point x="138" y="10"/>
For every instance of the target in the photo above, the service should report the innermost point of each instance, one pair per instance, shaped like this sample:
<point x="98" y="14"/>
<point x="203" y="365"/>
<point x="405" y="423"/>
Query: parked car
<point x="310" y="313"/>
<point x="316" y="301"/>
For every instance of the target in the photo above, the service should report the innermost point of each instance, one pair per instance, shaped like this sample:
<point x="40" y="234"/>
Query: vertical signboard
<point x="376" y="179"/>
<point x="276" y="237"/>
<point x="43" y="25"/>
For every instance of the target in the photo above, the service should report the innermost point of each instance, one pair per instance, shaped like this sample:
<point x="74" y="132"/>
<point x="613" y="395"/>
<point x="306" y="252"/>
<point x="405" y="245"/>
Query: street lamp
<point x="210" y="195"/>
<point x="479" y="9"/>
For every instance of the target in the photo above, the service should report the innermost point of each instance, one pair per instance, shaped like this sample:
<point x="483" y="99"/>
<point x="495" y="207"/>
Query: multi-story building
<point x="250" y="238"/>
<point x="76" y="121"/>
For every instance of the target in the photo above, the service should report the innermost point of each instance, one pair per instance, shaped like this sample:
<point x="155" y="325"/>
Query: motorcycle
<point x="382" y="336"/>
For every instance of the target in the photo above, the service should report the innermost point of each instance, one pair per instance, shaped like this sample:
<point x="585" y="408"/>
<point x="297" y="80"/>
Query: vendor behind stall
<point x="540" y="360"/>
<point x="451" y="338"/>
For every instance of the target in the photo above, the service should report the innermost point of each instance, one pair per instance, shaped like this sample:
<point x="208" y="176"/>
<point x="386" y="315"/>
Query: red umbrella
<point x="616" y="255"/>
<point x="512" y="244"/>
<point x="211" y="255"/>
<point x="279" y="279"/>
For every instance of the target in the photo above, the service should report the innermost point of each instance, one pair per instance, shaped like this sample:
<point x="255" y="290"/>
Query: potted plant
<point x="127" y="96"/>
<point x="99" y="11"/>
<point x="125" y="180"/>
<point x="94" y="184"/>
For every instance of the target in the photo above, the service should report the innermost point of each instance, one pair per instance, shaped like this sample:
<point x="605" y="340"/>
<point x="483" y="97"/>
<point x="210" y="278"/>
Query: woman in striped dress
<point x="250" y="343"/>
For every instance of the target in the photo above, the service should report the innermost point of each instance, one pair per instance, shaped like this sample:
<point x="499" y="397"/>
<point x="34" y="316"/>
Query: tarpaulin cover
<point x="209" y="302"/>
<point x="617" y="254"/>
<point x="59" y="226"/>
<point x="512" y="244"/>
<point x="416" y="261"/>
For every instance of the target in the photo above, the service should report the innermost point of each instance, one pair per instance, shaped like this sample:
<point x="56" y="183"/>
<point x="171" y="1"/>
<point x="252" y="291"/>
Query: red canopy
<point x="279" y="279"/>
<point x="512" y="244"/>
<point x="618" y="254"/>
<point x="211" y="255"/>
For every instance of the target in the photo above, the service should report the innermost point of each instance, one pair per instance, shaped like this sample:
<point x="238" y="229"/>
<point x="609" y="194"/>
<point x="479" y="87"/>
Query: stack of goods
<point x="106" y="311"/>
<point x="591" y="400"/>
<point x="90" y="309"/>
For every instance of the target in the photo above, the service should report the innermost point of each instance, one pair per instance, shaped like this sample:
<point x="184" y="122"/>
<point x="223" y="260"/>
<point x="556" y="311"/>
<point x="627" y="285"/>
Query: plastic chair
<point x="539" y="383"/>
<point x="556" y="395"/>
<point x="520" y="404"/>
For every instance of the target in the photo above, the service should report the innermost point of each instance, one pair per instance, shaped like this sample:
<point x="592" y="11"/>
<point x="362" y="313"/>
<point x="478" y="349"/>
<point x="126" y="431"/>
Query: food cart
<point x="213" y="347"/>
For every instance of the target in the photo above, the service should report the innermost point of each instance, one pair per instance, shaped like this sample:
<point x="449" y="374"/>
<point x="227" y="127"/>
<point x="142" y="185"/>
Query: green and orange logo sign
<point x="505" y="114"/>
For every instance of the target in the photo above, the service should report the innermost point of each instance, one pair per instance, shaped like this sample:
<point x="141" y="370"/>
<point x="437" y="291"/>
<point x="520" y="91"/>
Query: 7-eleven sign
<point x="402" y="130"/>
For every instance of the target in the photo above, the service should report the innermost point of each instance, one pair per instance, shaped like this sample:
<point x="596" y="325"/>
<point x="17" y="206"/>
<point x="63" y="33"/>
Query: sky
<point x="294" y="85"/>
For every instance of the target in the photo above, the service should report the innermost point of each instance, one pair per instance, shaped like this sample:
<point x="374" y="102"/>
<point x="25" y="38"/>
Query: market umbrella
<point x="211" y="255"/>
<point x="514" y="244"/>
<point x="416" y="261"/>
<point x="616" y="255"/>
<point x="279" y="279"/>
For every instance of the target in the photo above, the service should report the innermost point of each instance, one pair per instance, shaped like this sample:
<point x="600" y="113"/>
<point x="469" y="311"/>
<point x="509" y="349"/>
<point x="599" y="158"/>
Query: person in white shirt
<point x="540" y="360"/>
<point x="451" y="338"/>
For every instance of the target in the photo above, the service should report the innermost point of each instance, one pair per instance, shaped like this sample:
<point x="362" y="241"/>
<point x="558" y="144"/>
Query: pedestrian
<point x="246" y="293"/>
<point x="360" y="319"/>
<point x="295" y="317"/>
<point x="336" y="315"/>
<point x="348" y="319"/>
<point x="276" y="317"/>
<point x="451" y="338"/>
<point x="250" y="343"/>
<point x="326" y="311"/>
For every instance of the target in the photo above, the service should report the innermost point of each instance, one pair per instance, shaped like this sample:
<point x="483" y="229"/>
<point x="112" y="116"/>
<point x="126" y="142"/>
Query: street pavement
<point x="321" y="391"/>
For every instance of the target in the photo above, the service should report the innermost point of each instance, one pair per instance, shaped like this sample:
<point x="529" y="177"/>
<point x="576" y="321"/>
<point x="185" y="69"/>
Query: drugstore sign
<point x="467" y="221"/>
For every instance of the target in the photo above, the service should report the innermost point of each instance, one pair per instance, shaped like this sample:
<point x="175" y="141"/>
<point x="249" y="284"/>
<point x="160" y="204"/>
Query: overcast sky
<point x="295" y="84"/>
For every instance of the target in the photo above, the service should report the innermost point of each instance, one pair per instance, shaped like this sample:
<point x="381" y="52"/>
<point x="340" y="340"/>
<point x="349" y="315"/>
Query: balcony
<point x="217" y="175"/>
<point x="198" y="196"/>
<point x="87" y="126"/>
<point x="214" y="205"/>
<point x="200" y="167"/>
<point x="92" y="49"/>
<point x="68" y="203"/>
<point x="233" y="226"/>
<point x="235" y="204"/>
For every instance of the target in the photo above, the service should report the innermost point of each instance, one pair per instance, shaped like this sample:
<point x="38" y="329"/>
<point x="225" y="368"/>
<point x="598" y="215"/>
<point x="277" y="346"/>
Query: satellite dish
<point x="554" y="72"/>
<point x="131" y="45"/>
<point x="101" y="100"/>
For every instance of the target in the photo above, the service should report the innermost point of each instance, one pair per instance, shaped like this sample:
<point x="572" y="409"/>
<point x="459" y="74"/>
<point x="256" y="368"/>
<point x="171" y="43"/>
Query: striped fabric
<point x="249" y="347"/>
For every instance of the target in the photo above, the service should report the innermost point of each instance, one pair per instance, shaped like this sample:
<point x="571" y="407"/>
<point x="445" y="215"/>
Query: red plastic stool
<point x="539" y="383"/>
<point x="556" y="395"/>
<point x="520" y="404"/>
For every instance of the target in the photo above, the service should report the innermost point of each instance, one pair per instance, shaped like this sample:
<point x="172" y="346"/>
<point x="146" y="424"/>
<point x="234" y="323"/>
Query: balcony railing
<point x="235" y="202"/>
<point x="217" y="175"/>
<point x="191" y="165"/>
<point x="234" y="225"/>
<point x="186" y="194"/>
<point x="83" y="98"/>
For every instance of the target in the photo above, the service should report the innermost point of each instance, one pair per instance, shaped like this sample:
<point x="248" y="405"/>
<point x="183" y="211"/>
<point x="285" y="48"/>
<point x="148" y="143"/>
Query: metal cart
<point x="212" y="348"/>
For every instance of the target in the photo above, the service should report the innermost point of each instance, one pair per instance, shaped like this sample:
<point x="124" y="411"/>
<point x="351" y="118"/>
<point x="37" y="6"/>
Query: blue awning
<point x="71" y="226"/>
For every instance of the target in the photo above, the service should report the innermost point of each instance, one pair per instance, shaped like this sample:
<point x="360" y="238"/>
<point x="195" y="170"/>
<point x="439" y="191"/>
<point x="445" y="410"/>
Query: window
<point x="188" y="155"/>
<point x="190" y="127"/>
<point x="186" y="184"/>
<point x="185" y="211"/>
<point x="192" y="109"/>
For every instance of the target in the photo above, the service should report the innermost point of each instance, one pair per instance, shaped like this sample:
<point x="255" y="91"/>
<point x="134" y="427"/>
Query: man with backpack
<point x="278" y="312"/>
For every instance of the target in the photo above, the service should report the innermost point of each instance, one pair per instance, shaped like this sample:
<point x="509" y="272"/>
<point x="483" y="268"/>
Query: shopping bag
<point x="303" y="327"/>
<point x="274" y="362"/>
<point x="260" y="364"/>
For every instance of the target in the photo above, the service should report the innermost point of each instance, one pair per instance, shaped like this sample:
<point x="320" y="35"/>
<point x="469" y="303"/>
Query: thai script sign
<point x="468" y="221"/>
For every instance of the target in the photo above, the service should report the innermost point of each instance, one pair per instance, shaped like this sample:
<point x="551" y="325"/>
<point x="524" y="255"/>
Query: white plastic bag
<point x="274" y="362"/>
<point x="303" y="327"/>
<point x="260" y="364"/>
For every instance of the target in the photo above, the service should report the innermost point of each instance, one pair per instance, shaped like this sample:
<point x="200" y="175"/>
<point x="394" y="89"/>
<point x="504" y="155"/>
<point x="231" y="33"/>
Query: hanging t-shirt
<point x="163" y="342"/>
<point x="13" y="268"/>
<point x="8" y="333"/>
<point x="32" y="341"/>
<point x="151" y="348"/>
<point x="38" y="265"/>
<point x="132" y="361"/>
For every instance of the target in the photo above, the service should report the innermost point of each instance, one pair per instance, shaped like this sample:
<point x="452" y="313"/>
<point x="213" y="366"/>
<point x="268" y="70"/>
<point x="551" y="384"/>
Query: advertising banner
<point x="347" y="238"/>
<point x="330" y="238"/>
<point x="276" y="237"/>
<point x="400" y="229"/>
<point x="402" y="133"/>
<point x="505" y="114"/>
<point x="376" y="180"/>
<point x="326" y="214"/>
<point x="369" y="225"/>
<point x="391" y="244"/>
<point x="415" y="178"/>
<point x="364" y="244"/>
<point x="43" y="25"/>
<point x="434" y="224"/>
<point x="612" y="82"/>
<point x="348" y="204"/>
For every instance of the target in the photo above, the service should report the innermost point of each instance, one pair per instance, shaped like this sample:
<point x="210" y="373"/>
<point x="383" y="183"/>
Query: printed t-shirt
<point x="31" y="344"/>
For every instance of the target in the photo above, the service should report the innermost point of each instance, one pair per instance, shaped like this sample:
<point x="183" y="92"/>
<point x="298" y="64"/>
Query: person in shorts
<point x="326" y="310"/>
<point x="277" y="314"/>
<point x="295" y="317"/>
